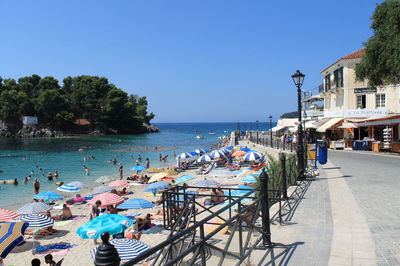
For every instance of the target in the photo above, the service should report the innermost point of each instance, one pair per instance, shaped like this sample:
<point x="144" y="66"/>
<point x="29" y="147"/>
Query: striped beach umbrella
<point x="198" y="151"/>
<point x="11" y="234"/>
<point x="118" y="183"/>
<point x="156" y="186"/>
<point x="245" y="149"/>
<point x="48" y="196"/>
<point x="206" y="183"/>
<point x="7" y="215"/>
<point x="128" y="249"/>
<point x="106" y="199"/>
<point x="252" y="156"/>
<point x="110" y="223"/>
<point x="225" y="151"/>
<point x="36" y="220"/>
<point x="136" y="203"/>
<point x="100" y="190"/>
<point x="68" y="189"/>
<point x="217" y="154"/>
<point x="205" y="158"/>
<point x="78" y="184"/>
<point x="34" y="207"/>
<point x="184" y="156"/>
<point x="229" y="148"/>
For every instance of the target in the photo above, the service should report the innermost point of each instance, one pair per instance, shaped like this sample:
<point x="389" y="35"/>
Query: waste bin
<point x="322" y="152"/>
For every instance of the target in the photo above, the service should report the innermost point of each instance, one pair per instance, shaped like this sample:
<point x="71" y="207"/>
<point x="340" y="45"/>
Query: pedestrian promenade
<point x="348" y="215"/>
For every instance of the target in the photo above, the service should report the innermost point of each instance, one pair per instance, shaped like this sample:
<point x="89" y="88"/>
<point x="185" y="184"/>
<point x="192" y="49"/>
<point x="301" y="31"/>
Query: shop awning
<point x="310" y="124"/>
<point x="277" y="128"/>
<point x="382" y="121"/>
<point x="329" y="124"/>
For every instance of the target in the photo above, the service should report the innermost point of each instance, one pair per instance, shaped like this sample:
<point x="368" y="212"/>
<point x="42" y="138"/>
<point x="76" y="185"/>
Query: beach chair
<point x="59" y="262"/>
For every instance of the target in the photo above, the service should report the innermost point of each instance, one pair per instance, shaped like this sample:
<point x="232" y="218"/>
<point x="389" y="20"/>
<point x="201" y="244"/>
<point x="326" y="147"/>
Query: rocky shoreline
<point x="7" y="131"/>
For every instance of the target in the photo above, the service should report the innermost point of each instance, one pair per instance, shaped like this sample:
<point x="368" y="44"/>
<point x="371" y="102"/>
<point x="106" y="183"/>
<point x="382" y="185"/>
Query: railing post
<point x="265" y="209"/>
<point x="282" y="158"/>
<point x="202" y="251"/>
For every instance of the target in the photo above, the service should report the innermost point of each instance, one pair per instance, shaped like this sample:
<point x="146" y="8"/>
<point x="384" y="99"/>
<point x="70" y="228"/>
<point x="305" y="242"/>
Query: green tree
<point x="10" y="107"/>
<point x="381" y="62"/>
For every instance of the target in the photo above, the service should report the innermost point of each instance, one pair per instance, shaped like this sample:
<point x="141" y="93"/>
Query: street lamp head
<point x="270" y="117"/>
<point x="298" y="78"/>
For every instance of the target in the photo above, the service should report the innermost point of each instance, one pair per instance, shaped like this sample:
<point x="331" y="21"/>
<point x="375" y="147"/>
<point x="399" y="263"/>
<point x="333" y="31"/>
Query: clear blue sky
<point x="208" y="60"/>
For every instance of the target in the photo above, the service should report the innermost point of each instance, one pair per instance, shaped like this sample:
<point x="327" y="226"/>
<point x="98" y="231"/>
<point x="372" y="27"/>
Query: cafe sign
<point x="364" y="90"/>
<point x="366" y="112"/>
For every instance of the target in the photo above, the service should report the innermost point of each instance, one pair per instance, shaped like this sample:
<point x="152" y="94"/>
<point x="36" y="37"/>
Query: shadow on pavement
<point x="279" y="254"/>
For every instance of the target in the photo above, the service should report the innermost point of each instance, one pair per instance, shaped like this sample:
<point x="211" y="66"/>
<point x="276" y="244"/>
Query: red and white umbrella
<point x="118" y="183"/>
<point x="106" y="199"/>
<point x="7" y="215"/>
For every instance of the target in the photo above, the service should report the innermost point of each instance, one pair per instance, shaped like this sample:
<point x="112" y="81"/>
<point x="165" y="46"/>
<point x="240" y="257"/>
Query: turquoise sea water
<point x="18" y="157"/>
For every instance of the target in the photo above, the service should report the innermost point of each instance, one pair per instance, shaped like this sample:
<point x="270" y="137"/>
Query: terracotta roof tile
<point x="356" y="54"/>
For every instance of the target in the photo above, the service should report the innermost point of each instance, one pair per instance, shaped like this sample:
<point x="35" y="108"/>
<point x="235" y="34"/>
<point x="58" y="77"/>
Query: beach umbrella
<point x="138" y="168"/>
<point x="183" y="179"/>
<point x="136" y="203"/>
<point x="11" y="234"/>
<point x="205" y="158"/>
<point x="206" y="183"/>
<point x="37" y="220"/>
<point x="225" y="151"/>
<point x="229" y="148"/>
<point x="118" y="183"/>
<point x="217" y="154"/>
<point x="249" y="179"/>
<point x="78" y="184"/>
<point x="252" y="156"/>
<point x="152" y="170"/>
<point x="157" y="177"/>
<point x="245" y="149"/>
<point x="156" y="186"/>
<point x="106" y="199"/>
<point x="68" y="189"/>
<point x="171" y="172"/>
<point x="34" y="207"/>
<point x="128" y="249"/>
<point x="184" y="155"/>
<point x="105" y="179"/>
<point x="7" y="215"/>
<point x="100" y="190"/>
<point x="238" y="153"/>
<point x="48" y="196"/>
<point x="110" y="223"/>
<point x="198" y="151"/>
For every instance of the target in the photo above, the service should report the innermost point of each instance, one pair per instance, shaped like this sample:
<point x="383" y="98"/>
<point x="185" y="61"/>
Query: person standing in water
<point x="36" y="186"/>
<point x="121" y="171"/>
<point x="147" y="163"/>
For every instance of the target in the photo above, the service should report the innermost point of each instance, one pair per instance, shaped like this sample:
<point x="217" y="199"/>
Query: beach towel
<point x="55" y="246"/>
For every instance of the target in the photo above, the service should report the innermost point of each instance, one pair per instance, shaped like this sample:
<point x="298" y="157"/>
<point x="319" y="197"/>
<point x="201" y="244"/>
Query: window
<point x="380" y="100"/>
<point x="327" y="83"/>
<point x="338" y="76"/>
<point x="361" y="101"/>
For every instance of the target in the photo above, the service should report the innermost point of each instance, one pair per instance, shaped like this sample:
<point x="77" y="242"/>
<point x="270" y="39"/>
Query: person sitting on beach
<point x="95" y="210"/>
<point x="49" y="260"/>
<point x="212" y="200"/>
<point x="112" y="210"/>
<point x="67" y="214"/>
<point x="48" y="230"/>
<point x="123" y="191"/>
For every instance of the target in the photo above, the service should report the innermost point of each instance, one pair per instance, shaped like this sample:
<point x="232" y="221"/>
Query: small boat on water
<point x="211" y="133"/>
<point x="199" y="137"/>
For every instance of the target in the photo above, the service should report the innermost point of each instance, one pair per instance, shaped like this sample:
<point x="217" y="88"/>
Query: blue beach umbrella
<point x="11" y="234"/>
<point x="156" y="186"/>
<point x="138" y="168"/>
<point x="183" y="179"/>
<point x="127" y="249"/>
<point x="110" y="223"/>
<point x="136" y="203"/>
<point x="249" y="179"/>
<point x="198" y="151"/>
<point x="252" y="156"/>
<point x="225" y="151"/>
<point x="193" y="153"/>
<point x="205" y="158"/>
<point x="34" y="207"/>
<point x="229" y="148"/>
<point x="245" y="149"/>
<point x="48" y="196"/>
<point x="68" y="189"/>
<point x="78" y="184"/>
<point x="206" y="183"/>
<point x="36" y="220"/>
<point x="184" y="156"/>
<point x="101" y="190"/>
<point x="217" y="154"/>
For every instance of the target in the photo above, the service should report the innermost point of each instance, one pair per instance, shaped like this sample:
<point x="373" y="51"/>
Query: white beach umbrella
<point x="184" y="156"/>
<point x="252" y="156"/>
<point x="217" y="154"/>
<point x="205" y="158"/>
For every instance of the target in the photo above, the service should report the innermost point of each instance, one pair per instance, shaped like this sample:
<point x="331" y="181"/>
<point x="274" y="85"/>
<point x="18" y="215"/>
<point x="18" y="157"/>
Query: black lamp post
<point x="298" y="79"/>
<point x="257" y="129"/>
<point x="270" y="129"/>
